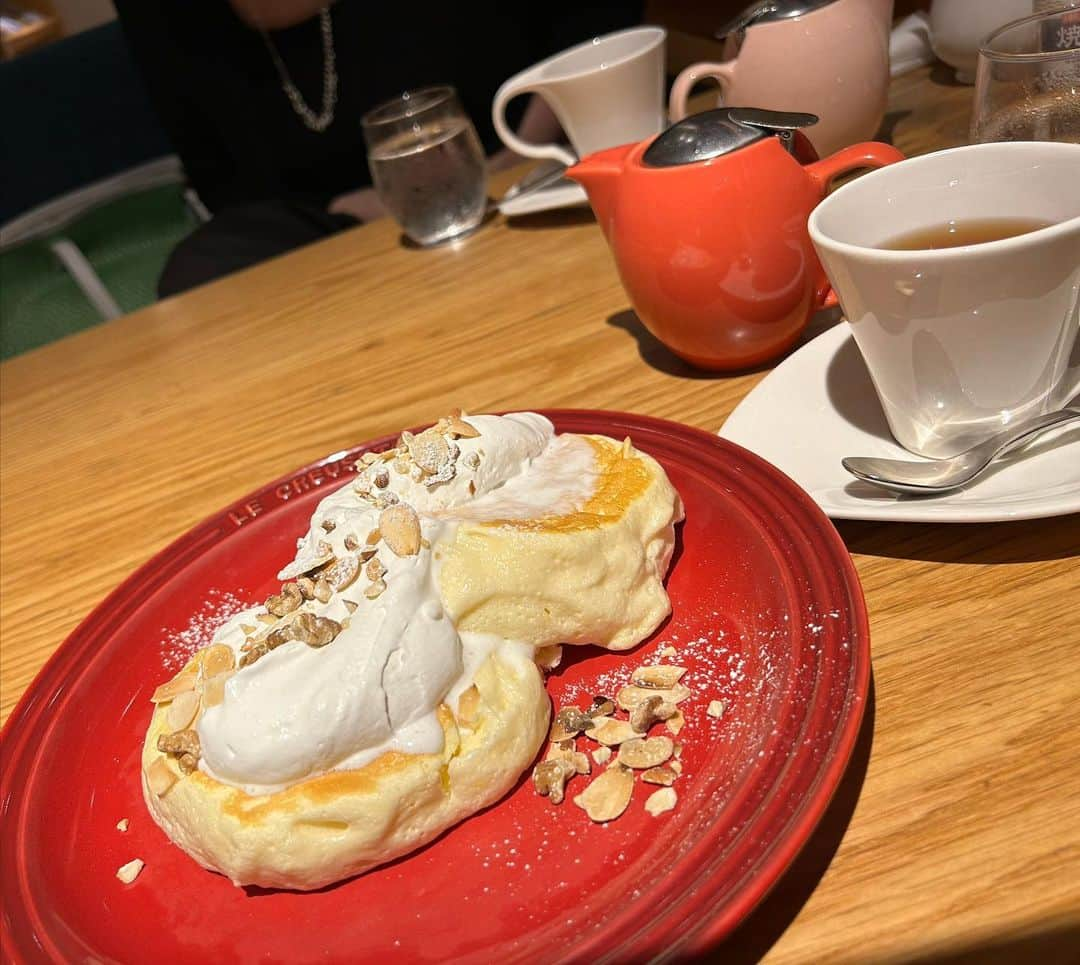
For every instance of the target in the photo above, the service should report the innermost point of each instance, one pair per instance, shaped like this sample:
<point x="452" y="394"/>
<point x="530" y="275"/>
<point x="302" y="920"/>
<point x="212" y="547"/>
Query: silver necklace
<point x="312" y="121"/>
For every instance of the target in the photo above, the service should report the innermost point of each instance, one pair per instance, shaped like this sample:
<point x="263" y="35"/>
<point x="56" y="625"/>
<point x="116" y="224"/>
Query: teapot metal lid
<point x="766" y="11"/>
<point x="710" y="134"/>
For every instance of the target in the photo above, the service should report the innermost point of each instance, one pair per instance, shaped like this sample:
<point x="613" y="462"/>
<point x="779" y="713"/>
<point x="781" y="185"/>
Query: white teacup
<point x="960" y="342"/>
<point x="606" y="91"/>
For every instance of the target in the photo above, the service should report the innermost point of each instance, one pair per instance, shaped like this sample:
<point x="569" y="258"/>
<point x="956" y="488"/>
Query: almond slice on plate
<point x="642" y="753"/>
<point x="127" y="873"/>
<point x="664" y="774"/>
<point x="630" y="696"/>
<point x="660" y="801"/>
<point x="659" y="677"/>
<point x="608" y="795"/>
<point x="610" y="731"/>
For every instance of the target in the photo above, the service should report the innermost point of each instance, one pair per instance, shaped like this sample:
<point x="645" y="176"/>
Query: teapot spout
<point x="598" y="174"/>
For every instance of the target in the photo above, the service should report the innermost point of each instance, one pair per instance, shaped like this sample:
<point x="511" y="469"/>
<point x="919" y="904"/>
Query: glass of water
<point x="427" y="164"/>
<point x="1027" y="83"/>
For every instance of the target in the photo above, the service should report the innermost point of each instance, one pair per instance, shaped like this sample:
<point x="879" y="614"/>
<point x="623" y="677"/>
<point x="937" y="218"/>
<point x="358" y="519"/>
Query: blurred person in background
<point x="262" y="100"/>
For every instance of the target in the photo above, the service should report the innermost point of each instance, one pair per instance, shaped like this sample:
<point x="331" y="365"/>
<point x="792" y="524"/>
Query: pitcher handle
<point x="523" y="84"/>
<point x="684" y="84"/>
<point x="871" y="154"/>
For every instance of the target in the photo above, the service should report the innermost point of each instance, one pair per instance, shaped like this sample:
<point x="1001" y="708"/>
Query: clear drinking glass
<point x="427" y="164"/>
<point x="1027" y="83"/>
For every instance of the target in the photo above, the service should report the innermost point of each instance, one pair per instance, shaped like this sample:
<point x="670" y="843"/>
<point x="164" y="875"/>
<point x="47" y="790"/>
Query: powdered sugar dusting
<point x="178" y="646"/>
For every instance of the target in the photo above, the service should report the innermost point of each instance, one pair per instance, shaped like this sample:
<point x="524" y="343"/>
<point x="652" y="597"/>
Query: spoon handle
<point x="1025" y="430"/>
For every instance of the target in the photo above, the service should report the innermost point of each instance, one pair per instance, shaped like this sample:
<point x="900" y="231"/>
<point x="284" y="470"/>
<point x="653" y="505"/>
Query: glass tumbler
<point x="1027" y="83"/>
<point x="427" y="164"/>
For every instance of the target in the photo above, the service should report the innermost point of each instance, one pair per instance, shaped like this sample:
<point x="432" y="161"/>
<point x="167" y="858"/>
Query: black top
<point x="212" y="80"/>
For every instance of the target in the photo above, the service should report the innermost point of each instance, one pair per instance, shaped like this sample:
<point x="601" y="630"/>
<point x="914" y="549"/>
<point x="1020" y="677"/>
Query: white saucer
<point x="819" y="405"/>
<point x="558" y="195"/>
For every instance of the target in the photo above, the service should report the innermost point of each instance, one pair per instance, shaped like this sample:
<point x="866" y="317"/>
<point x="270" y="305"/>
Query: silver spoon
<point x="540" y="177"/>
<point x="942" y="475"/>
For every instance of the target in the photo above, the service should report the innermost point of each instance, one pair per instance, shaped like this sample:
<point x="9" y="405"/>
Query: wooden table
<point x="956" y="833"/>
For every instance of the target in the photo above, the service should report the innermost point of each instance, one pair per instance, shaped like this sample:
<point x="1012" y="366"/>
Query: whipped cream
<point x="300" y="711"/>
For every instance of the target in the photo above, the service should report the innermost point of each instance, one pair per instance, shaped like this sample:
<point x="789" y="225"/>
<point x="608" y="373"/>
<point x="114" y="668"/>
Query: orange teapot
<point x="707" y="222"/>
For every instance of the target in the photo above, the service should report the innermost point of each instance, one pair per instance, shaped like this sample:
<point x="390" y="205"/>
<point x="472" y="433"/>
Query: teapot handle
<point x="871" y="154"/>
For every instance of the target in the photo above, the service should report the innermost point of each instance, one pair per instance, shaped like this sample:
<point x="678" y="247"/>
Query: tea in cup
<point x="606" y="91"/>
<point x="959" y="273"/>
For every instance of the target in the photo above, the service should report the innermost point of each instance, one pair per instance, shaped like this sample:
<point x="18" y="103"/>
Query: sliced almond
<point x="668" y="652"/>
<point x="629" y="697"/>
<point x="460" y="429"/>
<point x="129" y="872"/>
<point x="429" y="450"/>
<point x="341" y="573"/>
<point x="608" y="795"/>
<point x="323" y="591"/>
<point x="660" y="677"/>
<point x="160" y="777"/>
<point x="217" y="659"/>
<point x="663" y="774"/>
<point x="400" y="528"/>
<point x="715" y="708"/>
<point x="375" y="590"/>
<point x="675" y="722"/>
<point x="660" y="801"/>
<point x="181" y="712"/>
<point x="676" y="766"/>
<point x="610" y="732"/>
<point x="122" y="824"/>
<point x="180" y="684"/>
<point x="602" y="754"/>
<point x="641" y="753"/>
<point x="213" y="692"/>
<point x="375" y="570"/>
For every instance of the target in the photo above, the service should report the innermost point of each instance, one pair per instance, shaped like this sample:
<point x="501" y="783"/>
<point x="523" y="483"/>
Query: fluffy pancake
<point x="593" y="574"/>
<point x="343" y="823"/>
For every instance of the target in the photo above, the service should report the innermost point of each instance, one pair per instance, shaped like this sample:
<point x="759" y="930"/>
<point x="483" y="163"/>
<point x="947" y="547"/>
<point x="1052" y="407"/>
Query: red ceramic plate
<point x="768" y="617"/>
